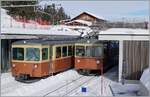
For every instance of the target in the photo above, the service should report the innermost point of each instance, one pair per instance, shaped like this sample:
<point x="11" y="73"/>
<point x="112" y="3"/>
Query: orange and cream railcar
<point x="88" y="56"/>
<point x="39" y="58"/>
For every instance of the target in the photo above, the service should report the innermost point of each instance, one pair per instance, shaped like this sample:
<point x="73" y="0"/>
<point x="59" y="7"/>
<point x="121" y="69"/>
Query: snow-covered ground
<point x="70" y="83"/>
<point x="66" y="83"/>
<point x="11" y="26"/>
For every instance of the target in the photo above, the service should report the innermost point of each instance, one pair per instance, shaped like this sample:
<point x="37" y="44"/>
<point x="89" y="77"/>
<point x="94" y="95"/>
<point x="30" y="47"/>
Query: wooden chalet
<point x="84" y="19"/>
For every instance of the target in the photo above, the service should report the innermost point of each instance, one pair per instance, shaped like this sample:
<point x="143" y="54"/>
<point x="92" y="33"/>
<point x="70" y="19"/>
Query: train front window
<point x="64" y="51"/>
<point x="98" y="51"/>
<point x="93" y="51"/>
<point x="80" y="51"/>
<point x="32" y="54"/>
<point x="70" y="50"/>
<point x="18" y="53"/>
<point x="44" y="53"/>
<point x="90" y="51"/>
<point x="58" y="52"/>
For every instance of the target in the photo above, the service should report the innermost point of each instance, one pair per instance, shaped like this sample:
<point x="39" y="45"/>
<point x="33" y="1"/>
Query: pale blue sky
<point x="108" y="9"/>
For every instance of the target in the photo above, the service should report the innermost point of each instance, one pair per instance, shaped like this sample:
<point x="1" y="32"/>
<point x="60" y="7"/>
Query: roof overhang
<point x="125" y="34"/>
<point x="124" y="37"/>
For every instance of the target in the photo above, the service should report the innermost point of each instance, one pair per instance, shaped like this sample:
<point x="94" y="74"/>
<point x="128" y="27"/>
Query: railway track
<point x="78" y="86"/>
<point x="73" y="80"/>
<point x="71" y="86"/>
<point x="54" y="87"/>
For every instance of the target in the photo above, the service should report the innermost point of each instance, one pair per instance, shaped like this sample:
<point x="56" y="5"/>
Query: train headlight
<point x="13" y="65"/>
<point x="97" y="61"/>
<point x="35" y="66"/>
<point x="78" y="61"/>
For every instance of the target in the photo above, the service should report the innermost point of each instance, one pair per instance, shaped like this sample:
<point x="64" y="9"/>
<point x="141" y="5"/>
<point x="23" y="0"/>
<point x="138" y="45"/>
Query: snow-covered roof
<point x="95" y="15"/>
<point x="11" y="26"/>
<point x="125" y="31"/>
<point x="124" y="34"/>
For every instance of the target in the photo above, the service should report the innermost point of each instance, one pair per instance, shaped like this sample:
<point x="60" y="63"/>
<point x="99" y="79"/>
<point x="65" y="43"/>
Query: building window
<point x="58" y="52"/>
<point x="32" y="54"/>
<point x="64" y="51"/>
<point x="44" y="53"/>
<point x="18" y="53"/>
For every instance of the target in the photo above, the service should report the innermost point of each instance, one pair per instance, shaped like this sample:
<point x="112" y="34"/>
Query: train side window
<point x="18" y="53"/>
<point x="80" y="51"/>
<point x="98" y="51"/>
<point x="70" y="50"/>
<point x="58" y="52"/>
<point x="44" y="53"/>
<point x="32" y="54"/>
<point x="64" y="51"/>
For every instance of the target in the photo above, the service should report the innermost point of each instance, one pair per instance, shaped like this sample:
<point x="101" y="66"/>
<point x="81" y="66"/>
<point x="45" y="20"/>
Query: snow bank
<point x="6" y="20"/>
<point x="14" y="88"/>
<point x="11" y="26"/>
<point x="6" y="78"/>
<point x="56" y="30"/>
<point x="145" y="78"/>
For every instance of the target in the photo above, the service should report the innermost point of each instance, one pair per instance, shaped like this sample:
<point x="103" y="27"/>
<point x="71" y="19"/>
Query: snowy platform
<point x="126" y="89"/>
<point x="133" y="87"/>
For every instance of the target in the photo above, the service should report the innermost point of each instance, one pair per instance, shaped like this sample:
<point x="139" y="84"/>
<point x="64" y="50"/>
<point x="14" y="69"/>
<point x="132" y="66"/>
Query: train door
<point x="70" y="55"/>
<point x="59" y="52"/>
<point x="45" y="60"/>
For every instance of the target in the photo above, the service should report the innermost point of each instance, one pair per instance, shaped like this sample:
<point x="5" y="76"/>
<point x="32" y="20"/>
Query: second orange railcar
<point x="89" y="56"/>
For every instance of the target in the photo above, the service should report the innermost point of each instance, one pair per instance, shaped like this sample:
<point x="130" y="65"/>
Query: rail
<point x="82" y="80"/>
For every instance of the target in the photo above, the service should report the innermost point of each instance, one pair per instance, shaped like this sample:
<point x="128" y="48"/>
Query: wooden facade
<point x="87" y="17"/>
<point x="135" y="58"/>
<point x="74" y="23"/>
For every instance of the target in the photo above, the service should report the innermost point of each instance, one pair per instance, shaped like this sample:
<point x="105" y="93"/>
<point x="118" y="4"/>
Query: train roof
<point x="88" y="41"/>
<point x="55" y="42"/>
